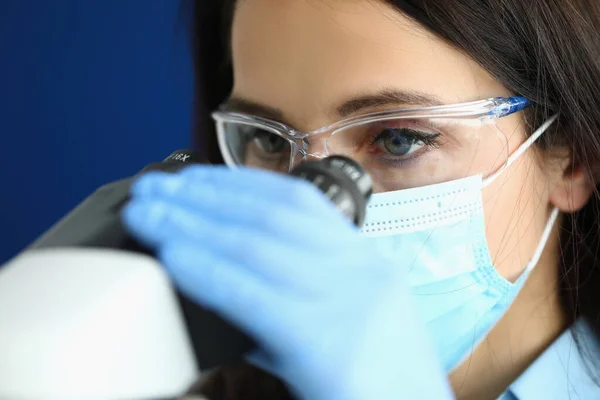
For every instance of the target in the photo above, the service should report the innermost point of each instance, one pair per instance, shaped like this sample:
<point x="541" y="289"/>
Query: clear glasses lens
<point x="398" y="153"/>
<point x="256" y="146"/>
<point x="409" y="153"/>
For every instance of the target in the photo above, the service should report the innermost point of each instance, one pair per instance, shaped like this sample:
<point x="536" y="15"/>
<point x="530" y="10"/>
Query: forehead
<point x="311" y="54"/>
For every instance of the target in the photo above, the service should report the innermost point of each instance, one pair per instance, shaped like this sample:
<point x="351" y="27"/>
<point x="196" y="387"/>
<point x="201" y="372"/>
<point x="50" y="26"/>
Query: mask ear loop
<point x="519" y="152"/>
<point x="555" y="212"/>
<point x="542" y="245"/>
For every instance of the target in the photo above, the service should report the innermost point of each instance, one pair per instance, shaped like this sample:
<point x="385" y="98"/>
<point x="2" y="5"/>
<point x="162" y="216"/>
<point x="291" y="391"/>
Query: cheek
<point x="516" y="211"/>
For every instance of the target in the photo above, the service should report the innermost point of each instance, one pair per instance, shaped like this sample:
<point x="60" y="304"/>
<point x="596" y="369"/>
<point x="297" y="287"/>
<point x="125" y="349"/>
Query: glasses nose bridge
<point x="315" y="144"/>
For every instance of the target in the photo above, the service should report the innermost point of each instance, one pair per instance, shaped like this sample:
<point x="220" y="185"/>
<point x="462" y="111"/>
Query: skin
<point x="305" y="58"/>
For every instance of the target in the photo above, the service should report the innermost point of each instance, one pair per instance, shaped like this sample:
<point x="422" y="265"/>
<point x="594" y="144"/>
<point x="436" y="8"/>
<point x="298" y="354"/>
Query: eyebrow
<point x="386" y="97"/>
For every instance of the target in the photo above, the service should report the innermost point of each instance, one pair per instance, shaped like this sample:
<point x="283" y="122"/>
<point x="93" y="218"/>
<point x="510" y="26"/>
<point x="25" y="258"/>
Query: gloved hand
<point x="270" y="253"/>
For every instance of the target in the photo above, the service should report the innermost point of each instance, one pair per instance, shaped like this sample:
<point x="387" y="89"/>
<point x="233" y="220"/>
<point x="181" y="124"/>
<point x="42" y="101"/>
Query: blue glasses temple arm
<point x="510" y="105"/>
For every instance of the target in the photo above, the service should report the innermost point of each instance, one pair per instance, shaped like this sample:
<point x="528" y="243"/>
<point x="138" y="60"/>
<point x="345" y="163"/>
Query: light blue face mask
<point x="438" y="231"/>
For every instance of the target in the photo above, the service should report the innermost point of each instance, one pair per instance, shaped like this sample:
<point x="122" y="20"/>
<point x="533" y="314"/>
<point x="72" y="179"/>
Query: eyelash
<point x="430" y="140"/>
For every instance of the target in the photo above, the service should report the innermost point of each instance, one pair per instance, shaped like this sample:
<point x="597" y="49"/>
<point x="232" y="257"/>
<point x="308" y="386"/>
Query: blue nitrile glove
<point x="270" y="253"/>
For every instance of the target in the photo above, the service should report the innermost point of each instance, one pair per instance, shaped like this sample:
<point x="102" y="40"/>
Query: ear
<point x="574" y="189"/>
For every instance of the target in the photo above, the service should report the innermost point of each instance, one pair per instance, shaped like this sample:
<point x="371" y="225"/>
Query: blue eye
<point x="400" y="141"/>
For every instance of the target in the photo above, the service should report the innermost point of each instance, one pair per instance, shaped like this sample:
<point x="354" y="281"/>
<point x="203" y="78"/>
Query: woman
<point x="496" y="289"/>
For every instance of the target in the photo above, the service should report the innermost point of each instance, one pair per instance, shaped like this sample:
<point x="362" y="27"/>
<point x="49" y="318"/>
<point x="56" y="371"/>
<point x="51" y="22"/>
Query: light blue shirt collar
<point x="561" y="373"/>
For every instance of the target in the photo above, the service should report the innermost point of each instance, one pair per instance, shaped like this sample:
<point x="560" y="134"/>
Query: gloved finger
<point x="259" y="212"/>
<point x="148" y="212"/>
<point x="157" y="222"/>
<point x="236" y="293"/>
<point x="235" y="189"/>
<point x="244" y="178"/>
<point x="208" y="176"/>
<point x="144" y="219"/>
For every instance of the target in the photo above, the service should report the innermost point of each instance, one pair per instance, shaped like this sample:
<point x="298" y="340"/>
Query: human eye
<point x="264" y="144"/>
<point x="399" y="143"/>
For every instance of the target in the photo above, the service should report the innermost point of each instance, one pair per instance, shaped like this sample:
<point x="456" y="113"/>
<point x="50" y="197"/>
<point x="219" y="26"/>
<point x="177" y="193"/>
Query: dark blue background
<point x="90" y="91"/>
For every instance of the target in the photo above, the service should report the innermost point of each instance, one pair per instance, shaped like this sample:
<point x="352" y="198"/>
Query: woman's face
<point x="309" y="63"/>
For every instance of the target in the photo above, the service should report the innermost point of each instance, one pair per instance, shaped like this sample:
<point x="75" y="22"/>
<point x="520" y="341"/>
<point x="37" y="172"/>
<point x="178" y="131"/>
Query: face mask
<point x="438" y="232"/>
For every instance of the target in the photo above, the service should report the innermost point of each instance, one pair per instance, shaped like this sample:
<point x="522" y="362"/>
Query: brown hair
<point x="547" y="51"/>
